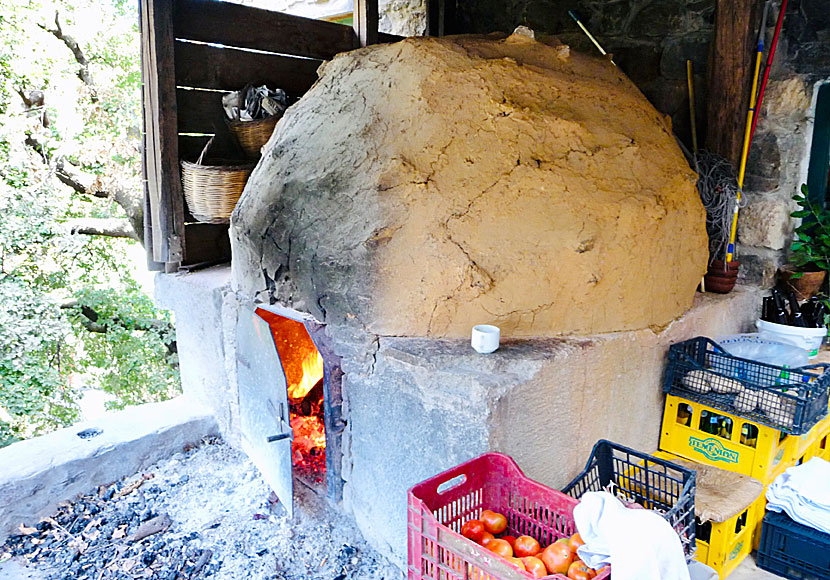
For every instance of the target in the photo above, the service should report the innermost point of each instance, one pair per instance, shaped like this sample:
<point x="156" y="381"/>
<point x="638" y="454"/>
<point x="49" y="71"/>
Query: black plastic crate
<point x="791" y="400"/>
<point x="793" y="550"/>
<point x="652" y="482"/>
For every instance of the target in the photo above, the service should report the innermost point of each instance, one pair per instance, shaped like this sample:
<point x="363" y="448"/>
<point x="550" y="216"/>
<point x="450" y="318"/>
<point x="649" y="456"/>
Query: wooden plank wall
<point x="194" y="52"/>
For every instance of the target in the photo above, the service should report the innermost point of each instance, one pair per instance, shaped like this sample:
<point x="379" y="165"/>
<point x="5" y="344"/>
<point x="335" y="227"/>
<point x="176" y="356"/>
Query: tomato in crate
<point x="440" y="506"/>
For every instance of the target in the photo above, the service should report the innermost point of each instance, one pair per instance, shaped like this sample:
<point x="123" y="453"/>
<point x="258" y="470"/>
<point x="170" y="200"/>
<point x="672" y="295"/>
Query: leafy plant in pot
<point x="810" y="252"/>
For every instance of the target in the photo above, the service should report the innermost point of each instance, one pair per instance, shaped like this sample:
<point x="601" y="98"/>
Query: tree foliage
<point x="71" y="311"/>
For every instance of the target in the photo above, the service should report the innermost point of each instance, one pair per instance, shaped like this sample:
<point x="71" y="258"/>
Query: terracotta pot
<point x="804" y="287"/>
<point x="721" y="278"/>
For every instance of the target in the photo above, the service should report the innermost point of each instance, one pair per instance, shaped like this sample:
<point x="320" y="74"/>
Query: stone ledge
<point x="172" y="289"/>
<point x="40" y="472"/>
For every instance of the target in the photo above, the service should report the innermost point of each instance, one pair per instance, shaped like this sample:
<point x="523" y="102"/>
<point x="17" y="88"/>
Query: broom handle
<point x="590" y="36"/>
<point x="773" y="45"/>
<point x="730" y="249"/>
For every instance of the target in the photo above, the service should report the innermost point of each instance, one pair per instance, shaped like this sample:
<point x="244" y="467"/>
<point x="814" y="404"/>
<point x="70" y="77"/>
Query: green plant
<point x="811" y="250"/>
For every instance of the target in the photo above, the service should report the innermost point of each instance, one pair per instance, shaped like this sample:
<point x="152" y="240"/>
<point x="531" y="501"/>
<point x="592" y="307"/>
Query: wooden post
<point x="730" y="72"/>
<point x="366" y="21"/>
<point x="435" y="18"/>
<point x="164" y="189"/>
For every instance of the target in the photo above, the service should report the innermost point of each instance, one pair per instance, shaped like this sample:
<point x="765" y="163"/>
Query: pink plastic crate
<point x="439" y="506"/>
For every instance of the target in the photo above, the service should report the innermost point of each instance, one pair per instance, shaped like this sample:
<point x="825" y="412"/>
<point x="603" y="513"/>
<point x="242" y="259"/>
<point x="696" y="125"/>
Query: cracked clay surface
<point x="422" y="187"/>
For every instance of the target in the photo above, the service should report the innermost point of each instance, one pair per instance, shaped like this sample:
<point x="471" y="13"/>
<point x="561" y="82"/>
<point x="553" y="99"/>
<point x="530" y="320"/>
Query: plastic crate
<point x="793" y="550"/>
<point x="821" y="441"/>
<point x="652" y="482"/>
<point x="723" y="545"/>
<point x="799" y="395"/>
<point x="741" y="445"/>
<point x="439" y="506"/>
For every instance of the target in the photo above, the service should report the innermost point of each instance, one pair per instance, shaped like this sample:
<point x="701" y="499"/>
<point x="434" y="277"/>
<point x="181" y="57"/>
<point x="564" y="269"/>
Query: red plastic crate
<point x="439" y="506"/>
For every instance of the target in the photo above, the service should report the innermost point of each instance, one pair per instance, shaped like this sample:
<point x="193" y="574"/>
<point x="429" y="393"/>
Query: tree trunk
<point x="731" y="66"/>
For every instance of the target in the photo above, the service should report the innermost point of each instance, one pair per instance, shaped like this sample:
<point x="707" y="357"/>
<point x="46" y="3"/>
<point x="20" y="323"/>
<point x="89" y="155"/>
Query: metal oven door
<point x="263" y="405"/>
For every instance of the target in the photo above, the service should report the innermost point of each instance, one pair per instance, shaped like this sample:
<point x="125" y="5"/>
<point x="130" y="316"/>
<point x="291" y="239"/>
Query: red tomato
<point x="500" y="547"/>
<point x="575" y="542"/>
<point x="517" y="563"/>
<point x="526" y="546"/>
<point x="494" y="522"/>
<point x="557" y="557"/>
<point x="578" y="570"/>
<point x="485" y="538"/>
<point x="510" y="540"/>
<point x="473" y="529"/>
<point x="535" y="566"/>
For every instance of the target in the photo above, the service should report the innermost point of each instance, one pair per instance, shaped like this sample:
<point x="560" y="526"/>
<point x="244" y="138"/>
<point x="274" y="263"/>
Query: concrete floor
<point x="746" y="571"/>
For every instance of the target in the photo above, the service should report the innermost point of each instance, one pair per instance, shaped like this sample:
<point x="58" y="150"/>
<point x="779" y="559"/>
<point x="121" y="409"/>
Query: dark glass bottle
<point x="767" y="309"/>
<point x="796" y="317"/>
<point x="780" y="312"/>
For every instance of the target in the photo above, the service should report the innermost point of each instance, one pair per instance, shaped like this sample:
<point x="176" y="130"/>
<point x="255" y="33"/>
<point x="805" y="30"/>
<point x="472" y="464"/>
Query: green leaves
<point x="47" y="353"/>
<point x="811" y="250"/>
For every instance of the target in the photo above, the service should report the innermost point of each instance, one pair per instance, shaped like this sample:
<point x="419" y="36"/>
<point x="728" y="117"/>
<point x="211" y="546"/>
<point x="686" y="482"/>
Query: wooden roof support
<point x="731" y="65"/>
<point x="366" y="21"/>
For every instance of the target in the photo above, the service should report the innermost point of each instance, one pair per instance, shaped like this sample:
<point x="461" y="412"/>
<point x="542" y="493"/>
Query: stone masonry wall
<point x="651" y="40"/>
<point x="777" y="164"/>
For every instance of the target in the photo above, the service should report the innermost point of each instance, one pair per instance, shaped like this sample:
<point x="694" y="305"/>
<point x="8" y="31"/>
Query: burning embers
<point x="303" y="366"/>
<point x="306" y="402"/>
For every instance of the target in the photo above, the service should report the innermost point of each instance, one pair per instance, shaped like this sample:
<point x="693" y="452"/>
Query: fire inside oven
<point x="303" y="367"/>
<point x="290" y="401"/>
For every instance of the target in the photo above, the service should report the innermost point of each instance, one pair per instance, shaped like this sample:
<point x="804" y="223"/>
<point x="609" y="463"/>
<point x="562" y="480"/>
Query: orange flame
<point x="312" y="372"/>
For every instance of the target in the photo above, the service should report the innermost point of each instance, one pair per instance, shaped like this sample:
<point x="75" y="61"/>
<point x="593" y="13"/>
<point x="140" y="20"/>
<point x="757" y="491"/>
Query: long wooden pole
<point x="773" y="45"/>
<point x="730" y="249"/>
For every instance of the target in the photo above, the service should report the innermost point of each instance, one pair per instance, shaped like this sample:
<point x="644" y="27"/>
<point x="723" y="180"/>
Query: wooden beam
<point x="212" y="67"/>
<point x="366" y="21"/>
<point x="161" y="135"/>
<point x="731" y="66"/>
<point x="242" y="26"/>
<point x="435" y="18"/>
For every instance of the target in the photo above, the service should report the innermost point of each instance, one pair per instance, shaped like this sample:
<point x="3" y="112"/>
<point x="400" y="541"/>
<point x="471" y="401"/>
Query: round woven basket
<point x="212" y="190"/>
<point x="252" y="135"/>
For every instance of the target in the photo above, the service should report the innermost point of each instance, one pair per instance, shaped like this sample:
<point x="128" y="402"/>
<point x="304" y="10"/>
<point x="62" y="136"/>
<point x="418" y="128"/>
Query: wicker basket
<point x="212" y="189"/>
<point x="252" y="135"/>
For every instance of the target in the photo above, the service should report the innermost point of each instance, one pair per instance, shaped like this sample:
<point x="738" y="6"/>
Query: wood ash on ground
<point x="204" y="513"/>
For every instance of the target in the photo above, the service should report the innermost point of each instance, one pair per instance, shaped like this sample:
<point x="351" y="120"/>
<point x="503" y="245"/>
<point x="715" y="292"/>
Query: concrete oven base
<point x="417" y="406"/>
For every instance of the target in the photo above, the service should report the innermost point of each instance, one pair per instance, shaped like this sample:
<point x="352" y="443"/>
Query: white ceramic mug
<point x="485" y="338"/>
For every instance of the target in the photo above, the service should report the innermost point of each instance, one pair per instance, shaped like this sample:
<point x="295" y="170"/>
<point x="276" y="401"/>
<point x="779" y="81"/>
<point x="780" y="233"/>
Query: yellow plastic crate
<point x="761" y="508"/>
<point x="724" y="545"/>
<point x="821" y="443"/>
<point x="802" y="448"/>
<point x="738" y="444"/>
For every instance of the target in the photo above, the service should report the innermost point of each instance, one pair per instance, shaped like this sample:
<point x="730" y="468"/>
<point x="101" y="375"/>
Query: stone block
<point x="787" y="98"/>
<point x="402" y="17"/>
<point x="431" y="404"/>
<point x="758" y="266"/>
<point x="656" y="19"/>
<point x="763" y="167"/>
<point x="604" y="17"/>
<point x="765" y="222"/>
<point x="38" y="473"/>
<point x="678" y="49"/>
<point x="204" y="333"/>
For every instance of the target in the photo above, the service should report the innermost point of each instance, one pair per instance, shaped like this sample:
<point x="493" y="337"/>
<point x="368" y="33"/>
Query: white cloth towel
<point x="803" y="492"/>
<point x="638" y="543"/>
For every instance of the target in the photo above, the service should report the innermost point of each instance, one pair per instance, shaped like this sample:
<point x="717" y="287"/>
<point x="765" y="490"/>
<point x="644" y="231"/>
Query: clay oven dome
<point x="422" y="187"/>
